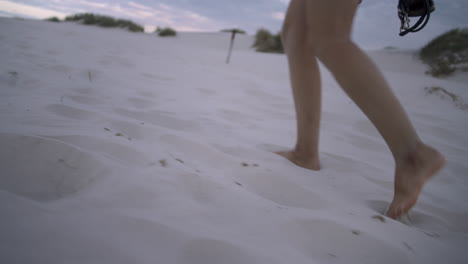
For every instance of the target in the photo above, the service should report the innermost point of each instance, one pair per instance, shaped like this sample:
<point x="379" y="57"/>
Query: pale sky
<point x="376" y="25"/>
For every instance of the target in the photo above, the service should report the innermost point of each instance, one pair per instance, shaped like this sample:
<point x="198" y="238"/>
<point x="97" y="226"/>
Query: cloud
<point x="150" y="14"/>
<point x="139" y="6"/>
<point x="376" y="24"/>
<point x="278" y="15"/>
<point x="27" y="10"/>
<point x="92" y="4"/>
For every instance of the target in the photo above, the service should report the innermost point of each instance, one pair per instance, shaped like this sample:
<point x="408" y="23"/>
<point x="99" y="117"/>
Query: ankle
<point x="417" y="156"/>
<point x="303" y="151"/>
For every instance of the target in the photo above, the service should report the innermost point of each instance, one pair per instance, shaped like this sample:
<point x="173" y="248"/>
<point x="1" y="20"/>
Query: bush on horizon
<point x="446" y="53"/>
<point x="105" y="21"/>
<point x="267" y="42"/>
<point x="237" y="30"/>
<point x="165" y="32"/>
<point x="52" y="19"/>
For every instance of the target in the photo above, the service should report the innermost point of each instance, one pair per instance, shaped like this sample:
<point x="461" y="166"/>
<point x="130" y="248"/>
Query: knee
<point x="289" y="34"/>
<point x="293" y="37"/>
<point x="327" y="48"/>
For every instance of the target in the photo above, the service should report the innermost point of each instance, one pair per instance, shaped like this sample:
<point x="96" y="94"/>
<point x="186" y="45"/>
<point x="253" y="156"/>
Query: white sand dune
<point x="118" y="147"/>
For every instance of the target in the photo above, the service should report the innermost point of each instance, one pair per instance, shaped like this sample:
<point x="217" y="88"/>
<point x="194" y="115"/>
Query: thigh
<point x="329" y="18"/>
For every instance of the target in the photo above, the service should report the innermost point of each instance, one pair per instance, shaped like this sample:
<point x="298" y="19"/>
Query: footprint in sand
<point x="325" y="241"/>
<point x="158" y="118"/>
<point x="9" y="78"/>
<point x="378" y="206"/>
<point x="196" y="153"/>
<point x="158" y="78"/>
<point x="281" y="190"/>
<point x="71" y="112"/>
<point x="428" y="219"/>
<point x="133" y="130"/>
<point x="45" y="169"/>
<point x="115" y="61"/>
<point x="146" y="94"/>
<point x="61" y="68"/>
<point x="365" y="127"/>
<point x="364" y="142"/>
<point x="85" y="91"/>
<point x="206" y="91"/>
<point x="203" y="251"/>
<point x="119" y="153"/>
<point x="26" y="225"/>
<point x="235" y="116"/>
<point x="258" y="93"/>
<point x="387" y="185"/>
<point x="200" y="189"/>
<point x="85" y="100"/>
<point x="140" y="103"/>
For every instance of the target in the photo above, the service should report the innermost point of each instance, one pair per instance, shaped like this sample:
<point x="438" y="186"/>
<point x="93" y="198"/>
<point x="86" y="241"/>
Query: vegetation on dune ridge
<point x="447" y="53"/>
<point x="267" y="42"/>
<point x="105" y="21"/>
<point x="236" y="30"/>
<point x="444" y="94"/>
<point x="165" y="32"/>
<point x="52" y="19"/>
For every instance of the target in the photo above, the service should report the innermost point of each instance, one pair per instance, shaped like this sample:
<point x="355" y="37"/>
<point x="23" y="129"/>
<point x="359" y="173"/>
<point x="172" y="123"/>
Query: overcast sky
<point x="376" y="26"/>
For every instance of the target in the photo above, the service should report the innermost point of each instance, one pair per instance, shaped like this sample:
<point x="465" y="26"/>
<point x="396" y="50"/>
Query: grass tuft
<point x="166" y="32"/>
<point x="267" y="42"/>
<point x="447" y="53"/>
<point x="236" y="30"/>
<point x="53" y="19"/>
<point x="443" y="93"/>
<point x="105" y="21"/>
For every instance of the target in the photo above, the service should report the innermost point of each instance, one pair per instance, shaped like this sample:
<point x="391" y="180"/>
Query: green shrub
<point x="238" y="31"/>
<point x="267" y="42"/>
<point x="445" y="53"/>
<point x="53" y="19"/>
<point x="105" y="21"/>
<point x="166" y="32"/>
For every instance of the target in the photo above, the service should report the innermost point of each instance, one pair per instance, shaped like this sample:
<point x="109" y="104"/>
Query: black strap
<point x="403" y="14"/>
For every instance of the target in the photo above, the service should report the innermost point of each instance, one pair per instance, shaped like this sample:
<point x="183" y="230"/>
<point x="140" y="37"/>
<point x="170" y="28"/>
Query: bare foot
<point x="300" y="160"/>
<point x="410" y="177"/>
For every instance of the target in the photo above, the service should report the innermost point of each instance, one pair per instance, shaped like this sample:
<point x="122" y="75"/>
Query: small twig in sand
<point x="163" y="163"/>
<point x="65" y="163"/>
<point x="442" y="93"/>
<point x="379" y="217"/>
<point x="90" y="77"/>
<point x="14" y="77"/>
<point x="408" y="247"/>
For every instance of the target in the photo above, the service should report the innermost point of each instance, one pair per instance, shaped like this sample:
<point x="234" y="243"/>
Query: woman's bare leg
<point x="305" y="82"/>
<point x="328" y="29"/>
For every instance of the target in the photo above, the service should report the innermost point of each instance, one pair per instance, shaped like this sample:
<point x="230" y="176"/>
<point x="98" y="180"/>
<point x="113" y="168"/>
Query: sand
<point x="118" y="147"/>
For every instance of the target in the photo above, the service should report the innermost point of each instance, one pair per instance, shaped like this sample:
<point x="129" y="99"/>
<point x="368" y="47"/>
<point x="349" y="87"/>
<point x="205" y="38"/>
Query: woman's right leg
<point x="415" y="162"/>
<point x="328" y="30"/>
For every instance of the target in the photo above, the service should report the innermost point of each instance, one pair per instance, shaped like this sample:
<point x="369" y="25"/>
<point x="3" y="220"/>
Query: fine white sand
<point x="117" y="147"/>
